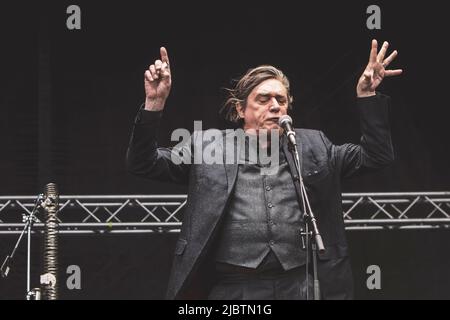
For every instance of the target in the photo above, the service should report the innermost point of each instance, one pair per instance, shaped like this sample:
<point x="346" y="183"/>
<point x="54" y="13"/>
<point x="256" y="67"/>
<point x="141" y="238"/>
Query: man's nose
<point x="274" y="107"/>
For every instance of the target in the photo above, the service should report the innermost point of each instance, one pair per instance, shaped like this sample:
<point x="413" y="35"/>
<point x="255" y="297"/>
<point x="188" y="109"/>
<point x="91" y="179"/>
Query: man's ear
<point x="240" y="110"/>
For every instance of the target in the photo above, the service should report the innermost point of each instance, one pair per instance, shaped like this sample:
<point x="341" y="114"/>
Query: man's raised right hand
<point x="157" y="82"/>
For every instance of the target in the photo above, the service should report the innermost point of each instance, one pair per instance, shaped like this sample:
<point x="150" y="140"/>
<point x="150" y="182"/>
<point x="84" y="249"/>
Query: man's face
<point x="265" y="105"/>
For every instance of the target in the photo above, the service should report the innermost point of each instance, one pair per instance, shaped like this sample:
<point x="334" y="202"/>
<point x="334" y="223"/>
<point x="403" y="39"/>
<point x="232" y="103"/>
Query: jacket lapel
<point x="231" y="169"/>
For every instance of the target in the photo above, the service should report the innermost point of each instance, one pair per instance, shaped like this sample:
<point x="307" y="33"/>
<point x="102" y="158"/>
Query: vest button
<point x="270" y="205"/>
<point x="268" y="188"/>
<point x="271" y="243"/>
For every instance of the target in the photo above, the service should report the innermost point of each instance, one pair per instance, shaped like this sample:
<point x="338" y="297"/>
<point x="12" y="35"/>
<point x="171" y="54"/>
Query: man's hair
<point x="244" y="86"/>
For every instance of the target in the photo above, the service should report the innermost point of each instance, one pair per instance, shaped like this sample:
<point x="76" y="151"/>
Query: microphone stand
<point x="29" y="220"/>
<point x="309" y="220"/>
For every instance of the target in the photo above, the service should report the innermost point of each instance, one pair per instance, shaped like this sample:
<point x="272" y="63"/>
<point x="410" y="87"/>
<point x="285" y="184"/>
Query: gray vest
<point x="263" y="216"/>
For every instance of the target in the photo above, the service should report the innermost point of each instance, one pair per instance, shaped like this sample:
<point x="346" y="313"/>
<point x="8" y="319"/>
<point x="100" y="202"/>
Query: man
<point x="240" y="237"/>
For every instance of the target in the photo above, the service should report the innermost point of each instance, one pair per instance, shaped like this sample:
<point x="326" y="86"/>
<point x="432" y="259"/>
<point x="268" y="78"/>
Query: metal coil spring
<point x="51" y="241"/>
<point x="50" y="255"/>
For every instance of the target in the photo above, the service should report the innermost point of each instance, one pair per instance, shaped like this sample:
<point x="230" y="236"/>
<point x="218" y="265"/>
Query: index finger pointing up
<point x="164" y="55"/>
<point x="373" y="51"/>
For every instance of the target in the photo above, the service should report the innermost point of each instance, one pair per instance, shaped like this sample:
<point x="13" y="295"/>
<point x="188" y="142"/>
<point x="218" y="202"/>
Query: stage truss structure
<point x="91" y="214"/>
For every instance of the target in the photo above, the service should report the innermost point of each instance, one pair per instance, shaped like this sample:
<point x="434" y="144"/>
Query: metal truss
<point x="164" y="213"/>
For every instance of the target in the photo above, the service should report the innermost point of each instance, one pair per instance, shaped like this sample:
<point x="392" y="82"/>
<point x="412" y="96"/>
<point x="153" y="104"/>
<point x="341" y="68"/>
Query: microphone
<point x="286" y="123"/>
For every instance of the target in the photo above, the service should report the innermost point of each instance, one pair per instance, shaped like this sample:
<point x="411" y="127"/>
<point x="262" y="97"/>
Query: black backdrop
<point x="68" y="99"/>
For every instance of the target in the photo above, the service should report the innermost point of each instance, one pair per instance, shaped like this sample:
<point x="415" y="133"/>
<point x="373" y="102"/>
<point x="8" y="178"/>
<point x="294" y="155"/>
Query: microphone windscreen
<point x="284" y="119"/>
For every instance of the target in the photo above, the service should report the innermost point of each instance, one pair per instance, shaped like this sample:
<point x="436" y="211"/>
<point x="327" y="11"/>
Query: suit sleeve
<point x="145" y="159"/>
<point x="375" y="149"/>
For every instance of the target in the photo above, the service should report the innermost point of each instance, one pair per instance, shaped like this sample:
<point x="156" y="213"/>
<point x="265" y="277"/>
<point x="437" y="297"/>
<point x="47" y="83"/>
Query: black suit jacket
<point x="210" y="186"/>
